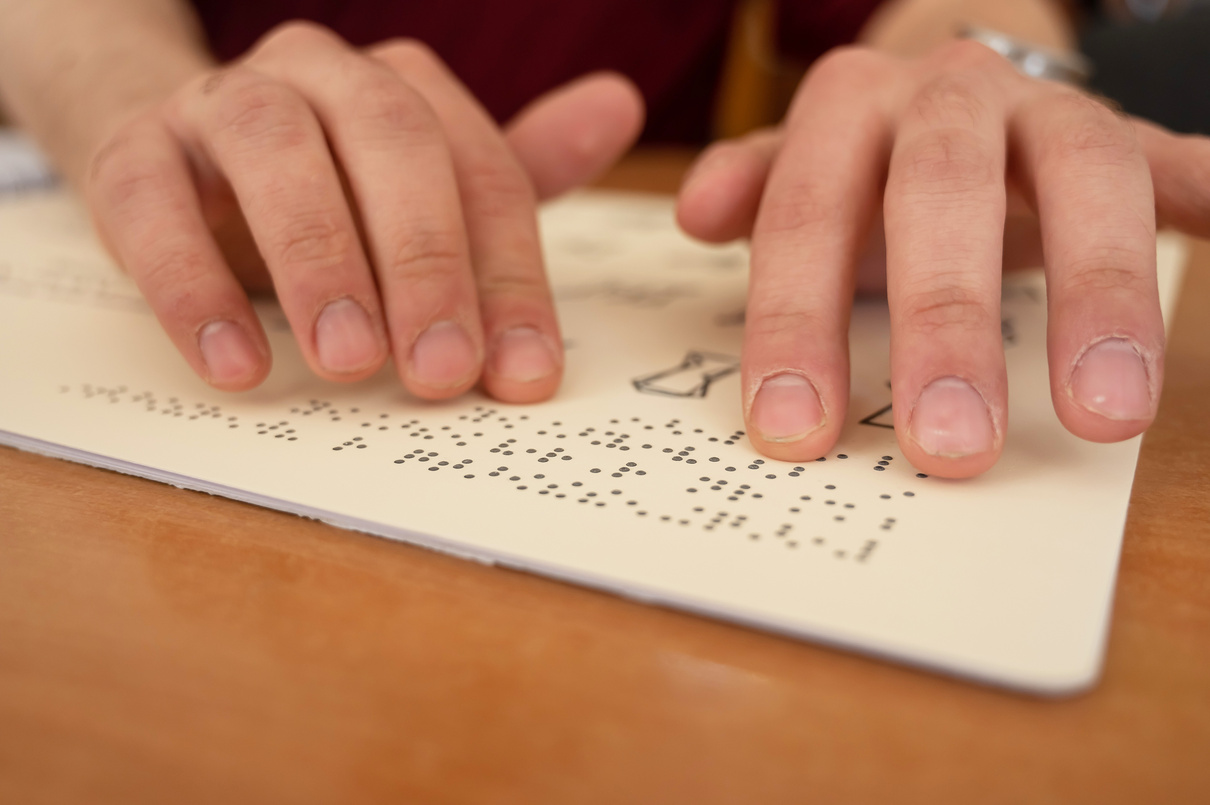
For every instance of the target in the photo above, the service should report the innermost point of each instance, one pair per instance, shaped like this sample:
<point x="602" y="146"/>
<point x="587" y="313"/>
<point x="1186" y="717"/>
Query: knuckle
<point x="315" y="242"/>
<point x="801" y="206"/>
<point x="117" y="175"/>
<point x="256" y="109"/>
<point x="502" y="189"/>
<point x="1087" y="131"/>
<point x="784" y="322"/>
<point x="846" y="65"/>
<point x="950" y="161"/>
<point x="405" y="52"/>
<point x="947" y="307"/>
<point x="428" y="257"/>
<point x="513" y="284"/>
<point x="384" y="103"/>
<point x="1113" y="269"/>
<point x="948" y="100"/>
<point x="964" y="55"/>
<point x="296" y="34"/>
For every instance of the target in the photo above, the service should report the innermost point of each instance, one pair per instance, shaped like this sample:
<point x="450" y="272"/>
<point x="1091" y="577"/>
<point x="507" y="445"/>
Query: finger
<point x="267" y="143"/>
<point x="944" y="207"/>
<point x="399" y="169"/>
<point x="567" y="137"/>
<point x="1105" y="335"/>
<point x="810" y="228"/>
<point x="719" y="198"/>
<point x="1180" y="174"/>
<point x="142" y="197"/>
<point x="524" y="347"/>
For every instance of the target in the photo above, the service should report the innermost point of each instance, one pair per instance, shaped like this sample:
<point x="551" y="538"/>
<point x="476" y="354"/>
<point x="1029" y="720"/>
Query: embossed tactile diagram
<point x="637" y="478"/>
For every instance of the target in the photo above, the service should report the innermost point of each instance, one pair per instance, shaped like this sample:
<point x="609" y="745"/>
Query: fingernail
<point x="443" y="356"/>
<point x="951" y="419"/>
<point x="1111" y="380"/>
<point x="229" y="353"/>
<point x="523" y="356"/>
<point x="344" y="337"/>
<point x="786" y="408"/>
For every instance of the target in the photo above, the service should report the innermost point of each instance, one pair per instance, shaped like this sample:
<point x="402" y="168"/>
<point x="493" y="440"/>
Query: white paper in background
<point x="22" y="166"/>
<point x="637" y="478"/>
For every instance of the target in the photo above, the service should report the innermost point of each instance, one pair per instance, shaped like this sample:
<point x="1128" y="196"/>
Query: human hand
<point x="373" y="193"/>
<point x="937" y="144"/>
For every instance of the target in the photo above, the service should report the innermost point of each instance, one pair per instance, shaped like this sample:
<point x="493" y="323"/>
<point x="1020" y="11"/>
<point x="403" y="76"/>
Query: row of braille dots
<point x="427" y="458"/>
<point x="886" y="461"/>
<point x="173" y="407"/>
<point x="735" y="493"/>
<point x="278" y="430"/>
<point x="320" y="407"/>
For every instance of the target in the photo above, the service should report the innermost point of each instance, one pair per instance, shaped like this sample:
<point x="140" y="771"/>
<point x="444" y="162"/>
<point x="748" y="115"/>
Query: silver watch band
<point x="1033" y="60"/>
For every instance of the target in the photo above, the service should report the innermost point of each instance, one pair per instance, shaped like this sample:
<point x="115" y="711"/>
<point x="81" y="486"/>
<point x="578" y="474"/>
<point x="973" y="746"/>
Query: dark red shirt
<point x="509" y="51"/>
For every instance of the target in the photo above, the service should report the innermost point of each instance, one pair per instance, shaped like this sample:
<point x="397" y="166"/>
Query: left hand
<point x="939" y="144"/>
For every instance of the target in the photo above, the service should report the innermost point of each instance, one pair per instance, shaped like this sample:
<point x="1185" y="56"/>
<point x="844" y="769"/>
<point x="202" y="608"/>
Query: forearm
<point x="914" y="27"/>
<point x="72" y="70"/>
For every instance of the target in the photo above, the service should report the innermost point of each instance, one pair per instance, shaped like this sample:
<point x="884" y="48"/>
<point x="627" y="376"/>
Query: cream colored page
<point x="637" y="478"/>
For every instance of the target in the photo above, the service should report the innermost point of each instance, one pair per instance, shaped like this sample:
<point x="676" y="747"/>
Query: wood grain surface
<point x="162" y="646"/>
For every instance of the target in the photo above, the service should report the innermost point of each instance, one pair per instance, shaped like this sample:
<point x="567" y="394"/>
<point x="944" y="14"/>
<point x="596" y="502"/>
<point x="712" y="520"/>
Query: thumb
<point x="570" y="135"/>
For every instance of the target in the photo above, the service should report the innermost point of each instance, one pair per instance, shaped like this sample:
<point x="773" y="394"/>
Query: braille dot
<point x="600" y="503"/>
<point x="716" y="488"/>
<point x="433" y="469"/>
<point x="617" y="475"/>
<point x="667" y="449"/>
<point x="543" y="460"/>
<point x="909" y="494"/>
<point x="494" y="474"/>
<point x="880" y="469"/>
<point x="641" y="514"/>
<point x="848" y="505"/>
<point x="641" y="472"/>
<point x="291" y="439"/>
<point x="577" y="483"/>
<point x="884" y="463"/>
<point x="539" y="476"/>
<point x="443" y="463"/>
<point x="691" y="489"/>
<point x="730" y="469"/>
<point x="594" y="470"/>
<point x="523" y="486"/>
<point x="647" y="447"/>
<point x="821" y="458"/>
<point x="795" y="511"/>
<point x="458" y="467"/>
<point x="515" y="478"/>
<point x="502" y="469"/>
<point x="543" y="491"/>
<point x="399" y="461"/>
<point x="468" y="476"/>
<point x="921" y="475"/>
<point x="531" y="450"/>
<point x="583" y="500"/>
<point x="770" y="477"/>
<point x="830" y="502"/>
<point x="728" y="442"/>
<point x="552" y="486"/>
<point x="594" y="442"/>
<point x="885" y="497"/>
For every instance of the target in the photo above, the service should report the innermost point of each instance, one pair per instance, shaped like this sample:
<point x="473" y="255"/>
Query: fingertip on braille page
<point x="229" y="353"/>
<point x="523" y="355"/>
<point x="951" y="419"/>
<point x="1111" y="379"/>
<point x="444" y="356"/>
<point x="345" y="340"/>
<point x="787" y="408"/>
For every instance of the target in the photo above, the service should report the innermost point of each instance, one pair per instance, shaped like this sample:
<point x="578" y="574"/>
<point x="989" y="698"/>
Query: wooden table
<point x="161" y="646"/>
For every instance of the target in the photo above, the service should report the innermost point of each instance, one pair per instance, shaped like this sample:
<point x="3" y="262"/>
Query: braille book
<point x="637" y="478"/>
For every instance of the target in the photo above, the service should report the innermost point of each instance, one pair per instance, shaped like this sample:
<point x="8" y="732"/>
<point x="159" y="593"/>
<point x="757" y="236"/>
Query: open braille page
<point x="637" y="478"/>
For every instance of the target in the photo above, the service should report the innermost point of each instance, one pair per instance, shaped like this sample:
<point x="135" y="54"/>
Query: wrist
<point x="911" y="28"/>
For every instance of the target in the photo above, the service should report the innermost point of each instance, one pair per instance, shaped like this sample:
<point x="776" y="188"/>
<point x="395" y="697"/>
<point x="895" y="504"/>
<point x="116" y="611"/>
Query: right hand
<point x="375" y="196"/>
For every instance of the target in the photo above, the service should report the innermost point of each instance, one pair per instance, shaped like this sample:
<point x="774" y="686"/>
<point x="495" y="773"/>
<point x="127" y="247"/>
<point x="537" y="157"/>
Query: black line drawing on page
<point x="691" y="377"/>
